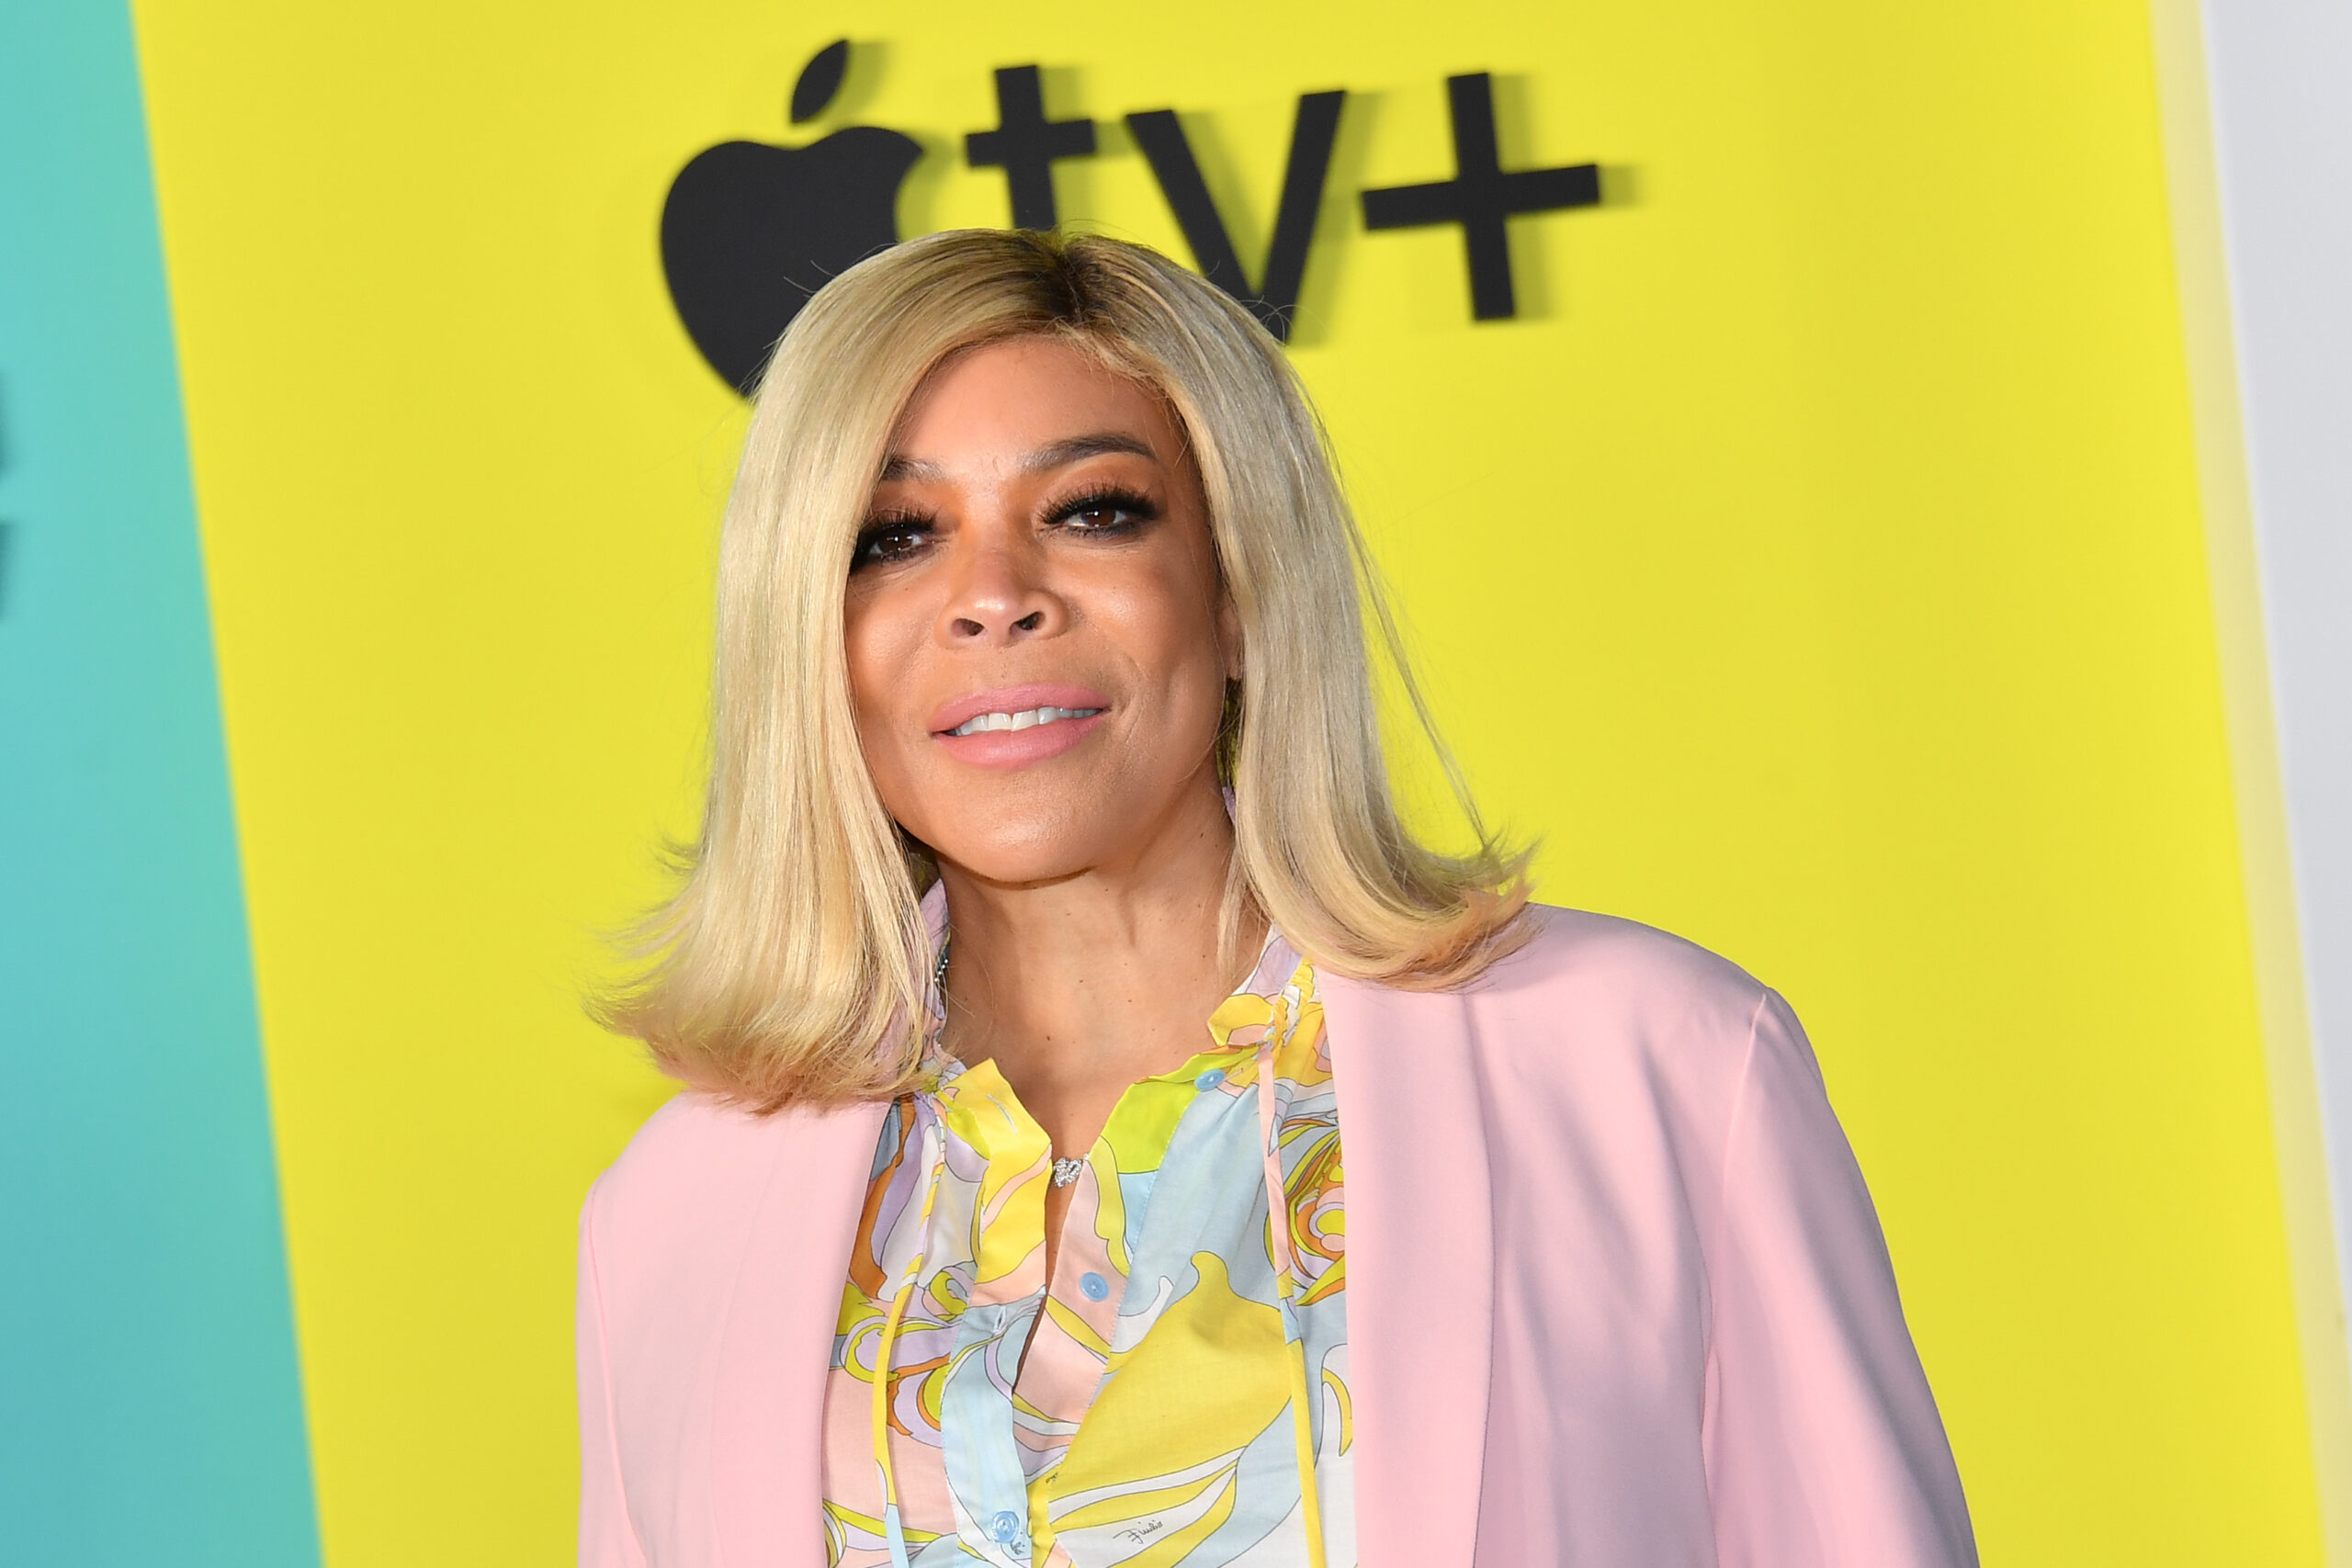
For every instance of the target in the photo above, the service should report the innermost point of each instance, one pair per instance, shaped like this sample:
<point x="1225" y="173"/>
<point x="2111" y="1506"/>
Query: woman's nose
<point x="999" y="598"/>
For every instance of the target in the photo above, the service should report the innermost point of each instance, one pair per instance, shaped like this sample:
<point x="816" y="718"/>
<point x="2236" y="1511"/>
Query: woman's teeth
<point x="1027" y="718"/>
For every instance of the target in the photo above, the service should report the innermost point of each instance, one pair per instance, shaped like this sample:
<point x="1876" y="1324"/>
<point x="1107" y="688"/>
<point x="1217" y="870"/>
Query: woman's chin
<point x="1013" y="861"/>
<point x="1048" y="824"/>
<point x="1031" y="854"/>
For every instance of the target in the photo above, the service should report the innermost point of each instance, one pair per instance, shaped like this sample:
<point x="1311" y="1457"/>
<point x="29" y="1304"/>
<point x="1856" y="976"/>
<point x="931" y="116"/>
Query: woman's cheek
<point x="883" y="730"/>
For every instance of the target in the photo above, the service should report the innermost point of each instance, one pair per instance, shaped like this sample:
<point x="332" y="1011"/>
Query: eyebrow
<point x="1062" y="454"/>
<point x="1045" y="458"/>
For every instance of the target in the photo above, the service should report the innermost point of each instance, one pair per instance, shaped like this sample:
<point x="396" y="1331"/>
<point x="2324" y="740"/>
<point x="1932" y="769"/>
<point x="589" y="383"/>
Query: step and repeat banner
<point x="1775" y="423"/>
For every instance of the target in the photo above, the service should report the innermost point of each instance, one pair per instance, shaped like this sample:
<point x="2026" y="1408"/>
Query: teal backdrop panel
<point x="150" y="1408"/>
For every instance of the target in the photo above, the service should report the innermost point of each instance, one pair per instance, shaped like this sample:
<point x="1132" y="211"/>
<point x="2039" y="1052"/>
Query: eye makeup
<point x="901" y="534"/>
<point x="1130" y="511"/>
<point x="889" y="536"/>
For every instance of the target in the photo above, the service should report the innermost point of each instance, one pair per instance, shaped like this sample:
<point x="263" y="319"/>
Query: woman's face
<point x="1038" y="639"/>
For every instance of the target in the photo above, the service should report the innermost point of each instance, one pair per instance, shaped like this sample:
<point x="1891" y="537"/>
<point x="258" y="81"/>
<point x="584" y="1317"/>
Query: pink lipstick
<point x="1012" y="727"/>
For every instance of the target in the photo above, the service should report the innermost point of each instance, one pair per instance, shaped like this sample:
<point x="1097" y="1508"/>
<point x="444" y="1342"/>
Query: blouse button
<point x="1209" y="1079"/>
<point x="1006" y="1531"/>
<point x="1095" y="1286"/>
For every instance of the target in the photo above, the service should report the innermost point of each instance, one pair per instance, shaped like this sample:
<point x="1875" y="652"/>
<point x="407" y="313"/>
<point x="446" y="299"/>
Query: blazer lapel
<point x="1421" y="1269"/>
<point x="767" y="1437"/>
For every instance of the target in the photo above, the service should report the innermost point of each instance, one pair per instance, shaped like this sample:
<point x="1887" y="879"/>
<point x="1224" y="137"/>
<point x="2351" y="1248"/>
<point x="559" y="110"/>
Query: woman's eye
<point x="1106" y="514"/>
<point x="882" y="543"/>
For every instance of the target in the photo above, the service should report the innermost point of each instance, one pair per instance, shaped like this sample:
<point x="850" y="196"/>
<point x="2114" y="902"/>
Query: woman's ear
<point x="1228" y="634"/>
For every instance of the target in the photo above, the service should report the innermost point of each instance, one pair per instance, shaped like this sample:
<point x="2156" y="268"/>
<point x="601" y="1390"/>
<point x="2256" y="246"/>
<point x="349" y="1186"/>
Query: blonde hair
<point x="790" y="967"/>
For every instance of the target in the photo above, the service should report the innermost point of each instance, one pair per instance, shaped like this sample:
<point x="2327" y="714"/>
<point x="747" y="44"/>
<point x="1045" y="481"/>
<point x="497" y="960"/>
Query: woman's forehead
<point x="1031" y="403"/>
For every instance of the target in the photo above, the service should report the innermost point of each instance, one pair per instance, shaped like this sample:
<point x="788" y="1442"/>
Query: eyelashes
<point x="1130" y="509"/>
<point x="891" y="536"/>
<point x="1097" y="511"/>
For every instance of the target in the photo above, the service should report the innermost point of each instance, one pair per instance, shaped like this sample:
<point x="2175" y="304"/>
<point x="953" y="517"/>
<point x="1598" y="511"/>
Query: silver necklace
<point x="1065" y="1171"/>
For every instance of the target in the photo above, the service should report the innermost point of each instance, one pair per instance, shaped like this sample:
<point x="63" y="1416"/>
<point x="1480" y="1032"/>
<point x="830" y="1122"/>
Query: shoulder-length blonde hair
<point x="791" y="966"/>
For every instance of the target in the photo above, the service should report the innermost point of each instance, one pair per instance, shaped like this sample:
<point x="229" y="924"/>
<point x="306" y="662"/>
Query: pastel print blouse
<point x="1183" y="1396"/>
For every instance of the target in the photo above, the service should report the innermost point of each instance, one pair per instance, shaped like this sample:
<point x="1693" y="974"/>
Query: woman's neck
<point x="1078" y="987"/>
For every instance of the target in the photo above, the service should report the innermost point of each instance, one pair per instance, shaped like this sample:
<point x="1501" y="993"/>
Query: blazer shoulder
<point x="691" y="1132"/>
<point x="700" y="1168"/>
<point x="694" y="1153"/>
<point x="1591" y="998"/>
<point x="1579" y="989"/>
<point x="1610" y="1024"/>
<point x="1623" y="964"/>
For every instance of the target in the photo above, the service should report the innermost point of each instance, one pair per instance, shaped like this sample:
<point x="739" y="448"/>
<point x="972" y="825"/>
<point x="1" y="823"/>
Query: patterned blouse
<point x="1162" y="1414"/>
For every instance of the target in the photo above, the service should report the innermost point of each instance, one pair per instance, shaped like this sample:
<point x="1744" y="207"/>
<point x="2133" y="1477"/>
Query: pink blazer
<point x="1616" y="1292"/>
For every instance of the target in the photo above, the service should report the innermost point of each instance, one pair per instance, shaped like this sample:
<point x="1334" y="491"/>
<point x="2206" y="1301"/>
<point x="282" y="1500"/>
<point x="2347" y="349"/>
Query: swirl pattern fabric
<point x="1137" y="1408"/>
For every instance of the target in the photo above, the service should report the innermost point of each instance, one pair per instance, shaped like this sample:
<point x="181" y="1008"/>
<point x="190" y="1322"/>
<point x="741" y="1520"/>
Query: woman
<point x="1044" y="735"/>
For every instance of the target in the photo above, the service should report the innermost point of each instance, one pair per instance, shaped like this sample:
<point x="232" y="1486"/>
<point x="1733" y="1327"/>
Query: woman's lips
<point x="1013" y="727"/>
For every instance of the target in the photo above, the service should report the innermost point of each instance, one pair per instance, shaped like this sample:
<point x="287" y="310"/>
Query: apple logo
<point x="749" y="231"/>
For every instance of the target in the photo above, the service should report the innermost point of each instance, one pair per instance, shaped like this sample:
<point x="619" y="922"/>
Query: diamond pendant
<point x="1066" y="1171"/>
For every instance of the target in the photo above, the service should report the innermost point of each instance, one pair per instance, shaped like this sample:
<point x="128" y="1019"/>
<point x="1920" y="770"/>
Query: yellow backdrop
<point x="1816" y="565"/>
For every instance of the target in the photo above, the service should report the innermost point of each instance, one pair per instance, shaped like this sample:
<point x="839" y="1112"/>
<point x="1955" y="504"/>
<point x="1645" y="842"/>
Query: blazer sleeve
<point x="1823" y="1444"/>
<point x="607" y="1539"/>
